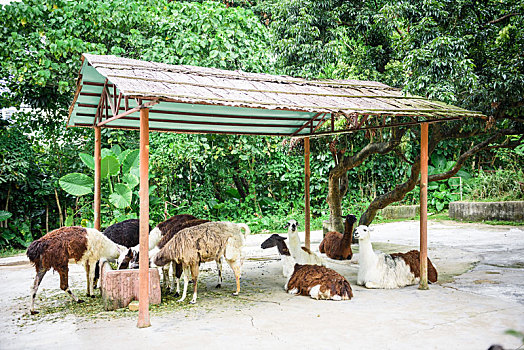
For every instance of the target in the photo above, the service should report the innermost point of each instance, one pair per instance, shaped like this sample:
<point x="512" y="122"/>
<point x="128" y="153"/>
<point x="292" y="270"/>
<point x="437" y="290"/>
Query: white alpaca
<point x="302" y="255"/>
<point x="387" y="271"/>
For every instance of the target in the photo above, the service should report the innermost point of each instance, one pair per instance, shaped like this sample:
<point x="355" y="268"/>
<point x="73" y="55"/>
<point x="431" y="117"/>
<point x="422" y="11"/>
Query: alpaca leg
<point x="90" y="276"/>
<point x="372" y="285"/>
<point x="186" y="282"/>
<point x="97" y="274"/>
<point x="38" y="278"/>
<point x="173" y="277"/>
<point x="219" y="268"/>
<point x="235" y="266"/>
<point x="92" y="270"/>
<point x="177" y="275"/>
<point x="165" y="275"/>
<point x="194" y="273"/>
<point x="64" y="284"/>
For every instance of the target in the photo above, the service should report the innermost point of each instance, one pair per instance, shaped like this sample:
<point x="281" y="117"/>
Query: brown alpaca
<point x="70" y="244"/>
<point x="338" y="246"/>
<point x="319" y="282"/>
<point x="412" y="259"/>
<point x="206" y="242"/>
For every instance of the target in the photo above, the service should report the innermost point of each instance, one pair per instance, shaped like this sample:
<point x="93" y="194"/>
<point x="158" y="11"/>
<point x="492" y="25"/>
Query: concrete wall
<point x="479" y="211"/>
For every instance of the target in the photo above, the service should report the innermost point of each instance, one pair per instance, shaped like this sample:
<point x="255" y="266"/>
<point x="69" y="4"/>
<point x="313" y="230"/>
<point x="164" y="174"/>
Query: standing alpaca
<point x="57" y="248"/>
<point x="302" y="255"/>
<point x="125" y="233"/>
<point x="173" y="229"/>
<point x="388" y="270"/>
<point x="338" y="246"/>
<point x="155" y="235"/>
<point x="318" y="282"/>
<point x="202" y="243"/>
<point x="161" y="229"/>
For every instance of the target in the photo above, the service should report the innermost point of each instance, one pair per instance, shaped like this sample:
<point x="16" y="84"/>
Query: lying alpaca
<point x="202" y="243"/>
<point x="302" y="255"/>
<point x="70" y="244"/>
<point x="388" y="270"/>
<point x="336" y="245"/>
<point x="288" y="263"/>
<point x="318" y="282"/>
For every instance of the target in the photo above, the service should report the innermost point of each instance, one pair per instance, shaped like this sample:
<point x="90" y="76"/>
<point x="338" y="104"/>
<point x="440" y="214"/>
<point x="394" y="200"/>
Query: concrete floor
<point x="480" y="295"/>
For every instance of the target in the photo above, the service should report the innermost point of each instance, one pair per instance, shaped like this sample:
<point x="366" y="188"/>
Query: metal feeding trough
<point x="120" y="287"/>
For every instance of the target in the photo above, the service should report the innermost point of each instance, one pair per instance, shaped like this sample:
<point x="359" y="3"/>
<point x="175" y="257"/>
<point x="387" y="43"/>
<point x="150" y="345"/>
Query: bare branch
<point x="495" y="21"/>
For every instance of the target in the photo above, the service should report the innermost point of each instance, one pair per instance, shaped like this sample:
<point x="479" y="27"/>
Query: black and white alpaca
<point x="125" y="233"/>
<point x="388" y="271"/>
<point x="319" y="282"/>
<point x="76" y="244"/>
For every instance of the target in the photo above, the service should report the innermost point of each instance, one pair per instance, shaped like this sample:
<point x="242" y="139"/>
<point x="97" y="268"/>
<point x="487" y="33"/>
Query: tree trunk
<point x="400" y="191"/>
<point x="60" y="216"/>
<point x="338" y="177"/>
<point x="338" y="186"/>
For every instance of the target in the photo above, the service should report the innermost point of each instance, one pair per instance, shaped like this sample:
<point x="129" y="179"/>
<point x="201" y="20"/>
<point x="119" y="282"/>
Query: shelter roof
<point x="208" y="100"/>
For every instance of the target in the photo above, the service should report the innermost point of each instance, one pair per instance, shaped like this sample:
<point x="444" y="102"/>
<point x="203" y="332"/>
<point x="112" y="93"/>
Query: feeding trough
<point x="120" y="287"/>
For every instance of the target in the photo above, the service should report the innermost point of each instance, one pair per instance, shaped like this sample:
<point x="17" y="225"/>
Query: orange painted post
<point x="98" y="160"/>
<point x="143" y="276"/>
<point x="423" y="206"/>
<point x="307" y="175"/>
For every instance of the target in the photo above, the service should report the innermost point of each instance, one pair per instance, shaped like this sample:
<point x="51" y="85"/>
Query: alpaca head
<point x="351" y="219"/>
<point x="362" y="232"/>
<point x="292" y="225"/>
<point x="272" y="241"/>
<point x="160" y="259"/>
<point x="128" y="260"/>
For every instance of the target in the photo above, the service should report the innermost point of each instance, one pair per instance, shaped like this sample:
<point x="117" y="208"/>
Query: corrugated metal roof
<point x="210" y="100"/>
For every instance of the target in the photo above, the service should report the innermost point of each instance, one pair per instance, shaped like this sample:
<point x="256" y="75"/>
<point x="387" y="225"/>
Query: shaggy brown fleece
<point x="412" y="259"/>
<point x="306" y="277"/>
<point x="55" y="249"/>
<point x="176" y="226"/>
<point x="194" y="245"/>
<point x="164" y="225"/>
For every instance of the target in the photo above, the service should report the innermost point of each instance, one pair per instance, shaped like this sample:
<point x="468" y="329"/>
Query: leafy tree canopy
<point x="41" y="41"/>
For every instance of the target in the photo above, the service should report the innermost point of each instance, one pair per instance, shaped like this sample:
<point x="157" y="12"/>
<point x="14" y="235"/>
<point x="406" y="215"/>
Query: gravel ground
<point x="479" y="297"/>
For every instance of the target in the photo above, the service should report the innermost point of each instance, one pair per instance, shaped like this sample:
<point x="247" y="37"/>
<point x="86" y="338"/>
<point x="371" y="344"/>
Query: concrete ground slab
<point x="479" y="298"/>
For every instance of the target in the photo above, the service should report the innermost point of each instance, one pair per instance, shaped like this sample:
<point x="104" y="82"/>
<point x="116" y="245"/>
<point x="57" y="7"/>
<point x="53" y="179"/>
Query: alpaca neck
<point x="367" y="255"/>
<point x="154" y="237"/>
<point x="294" y="243"/>
<point x="288" y="263"/>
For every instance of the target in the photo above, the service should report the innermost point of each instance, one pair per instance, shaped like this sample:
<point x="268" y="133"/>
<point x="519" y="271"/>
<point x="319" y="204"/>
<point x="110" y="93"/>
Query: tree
<point x="465" y="53"/>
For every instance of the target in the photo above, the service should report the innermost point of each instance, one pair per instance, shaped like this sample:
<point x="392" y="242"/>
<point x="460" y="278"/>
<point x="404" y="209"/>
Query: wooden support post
<point x="307" y="174"/>
<point x="423" y="206"/>
<point x="143" y="293"/>
<point x="98" y="160"/>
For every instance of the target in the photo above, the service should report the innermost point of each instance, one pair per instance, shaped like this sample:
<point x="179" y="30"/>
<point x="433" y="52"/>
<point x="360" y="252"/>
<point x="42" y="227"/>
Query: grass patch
<point x="7" y="252"/>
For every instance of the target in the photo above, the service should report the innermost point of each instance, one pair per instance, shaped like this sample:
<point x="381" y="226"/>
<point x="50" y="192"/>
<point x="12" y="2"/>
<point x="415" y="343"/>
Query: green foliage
<point x="76" y="184"/>
<point x="463" y="52"/>
<point x="500" y="185"/>
<point x="41" y="42"/>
